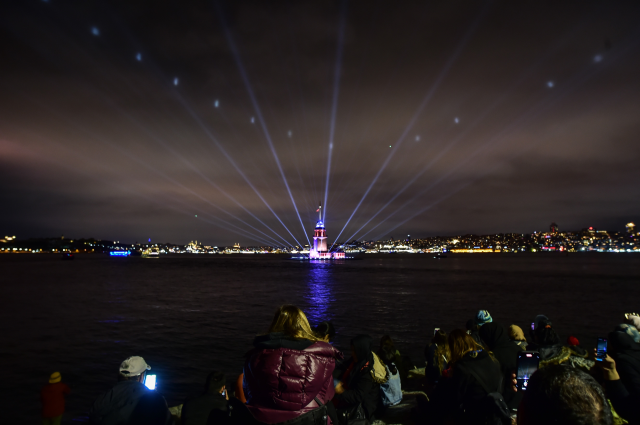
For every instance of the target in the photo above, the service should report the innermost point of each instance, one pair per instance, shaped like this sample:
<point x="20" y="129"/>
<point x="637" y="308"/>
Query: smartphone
<point x="150" y="382"/>
<point x="601" y="352"/>
<point x="435" y="330"/>
<point x="526" y="364"/>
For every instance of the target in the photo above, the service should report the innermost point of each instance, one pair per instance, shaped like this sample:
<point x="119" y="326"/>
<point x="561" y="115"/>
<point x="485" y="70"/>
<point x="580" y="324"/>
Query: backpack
<point x="390" y="391"/>
<point x="490" y="410"/>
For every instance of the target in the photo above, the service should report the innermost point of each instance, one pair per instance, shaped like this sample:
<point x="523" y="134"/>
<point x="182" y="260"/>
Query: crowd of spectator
<point x="293" y="375"/>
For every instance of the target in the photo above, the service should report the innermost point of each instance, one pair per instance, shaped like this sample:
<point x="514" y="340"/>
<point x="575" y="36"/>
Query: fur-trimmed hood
<point x="378" y="371"/>
<point x="558" y="354"/>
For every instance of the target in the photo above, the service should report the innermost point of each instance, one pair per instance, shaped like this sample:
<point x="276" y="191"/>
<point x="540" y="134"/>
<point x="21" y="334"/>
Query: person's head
<point x="388" y="355"/>
<point x="439" y="338"/>
<point x="461" y="343"/>
<point x="516" y="333"/>
<point x="494" y="335"/>
<point x="563" y="395"/>
<point x="133" y="369"/>
<point x="536" y="322"/>
<point x="361" y="348"/>
<point x="630" y="330"/>
<point x="442" y="353"/>
<point x="622" y="340"/>
<point x="325" y="331"/>
<point x="55" y="378"/>
<point x="483" y="317"/>
<point x="544" y="334"/>
<point x="472" y="325"/>
<point x="291" y="321"/>
<point x="215" y="382"/>
<point x="386" y="341"/>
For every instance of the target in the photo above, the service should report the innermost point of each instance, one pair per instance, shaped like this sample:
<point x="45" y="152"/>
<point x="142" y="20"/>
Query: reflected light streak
<point x="334" y="103"/>
<point x="197" y="171"/>
<point x="263" y="124"/>
<point x="532" y="113"/>
<point x="443" y="73"/>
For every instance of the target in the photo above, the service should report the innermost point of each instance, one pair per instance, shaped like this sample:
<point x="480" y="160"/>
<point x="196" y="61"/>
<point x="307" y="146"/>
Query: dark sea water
<point x="188" y="315"/>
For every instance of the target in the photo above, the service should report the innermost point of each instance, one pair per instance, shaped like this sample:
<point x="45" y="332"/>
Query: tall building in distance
<point x="631" y="229"/>
<point x="553" y="228"/>
<point x="319" y="250"/>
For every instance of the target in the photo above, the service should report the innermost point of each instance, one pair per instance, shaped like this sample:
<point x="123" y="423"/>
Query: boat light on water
<point x="120" y="253"/>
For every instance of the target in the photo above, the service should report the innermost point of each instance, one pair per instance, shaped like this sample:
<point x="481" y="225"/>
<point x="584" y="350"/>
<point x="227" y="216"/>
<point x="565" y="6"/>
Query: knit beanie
<point x="483" y="317"/>
<point x="55" y="377"/>
<point x="516" y="334"/>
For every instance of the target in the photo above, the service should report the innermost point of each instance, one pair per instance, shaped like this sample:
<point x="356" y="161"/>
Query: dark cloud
<point x="96" y="143"/>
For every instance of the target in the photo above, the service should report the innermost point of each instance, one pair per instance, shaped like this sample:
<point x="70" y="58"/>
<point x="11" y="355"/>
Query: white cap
<point x="134" y="366"/>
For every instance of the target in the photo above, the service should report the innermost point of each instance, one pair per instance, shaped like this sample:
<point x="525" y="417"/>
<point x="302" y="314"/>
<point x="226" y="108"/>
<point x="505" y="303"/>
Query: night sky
<point x="228" y="121"/>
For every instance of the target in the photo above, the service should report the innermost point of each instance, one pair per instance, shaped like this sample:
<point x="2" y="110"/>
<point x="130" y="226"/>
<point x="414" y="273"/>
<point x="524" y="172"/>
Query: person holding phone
<point x="129" y="400"/>
<point x="624" y="402"/>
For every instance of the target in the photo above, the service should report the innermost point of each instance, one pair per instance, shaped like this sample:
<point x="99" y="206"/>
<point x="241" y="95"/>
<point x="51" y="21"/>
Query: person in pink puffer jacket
<point x="289" y="369"/>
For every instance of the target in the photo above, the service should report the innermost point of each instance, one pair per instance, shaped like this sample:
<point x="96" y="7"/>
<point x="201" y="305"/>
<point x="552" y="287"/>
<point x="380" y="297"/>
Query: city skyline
<point x="230" y="121"/>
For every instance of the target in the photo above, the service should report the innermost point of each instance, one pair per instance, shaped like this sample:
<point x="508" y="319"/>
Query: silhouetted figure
<point x="52" y="396"/>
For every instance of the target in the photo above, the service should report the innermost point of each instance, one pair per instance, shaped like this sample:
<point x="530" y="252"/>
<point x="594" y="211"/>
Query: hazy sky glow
<point x="124" y="120"/>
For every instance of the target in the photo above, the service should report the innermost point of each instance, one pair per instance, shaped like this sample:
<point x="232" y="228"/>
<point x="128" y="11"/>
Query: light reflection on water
<point x="319" y="296"/>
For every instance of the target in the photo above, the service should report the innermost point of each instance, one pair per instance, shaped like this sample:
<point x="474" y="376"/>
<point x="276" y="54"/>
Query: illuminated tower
<point x="631" y="229"/>
<point x="320" y="250"/>
<point x="553" y="228"/>
<point x="319" y="238"/>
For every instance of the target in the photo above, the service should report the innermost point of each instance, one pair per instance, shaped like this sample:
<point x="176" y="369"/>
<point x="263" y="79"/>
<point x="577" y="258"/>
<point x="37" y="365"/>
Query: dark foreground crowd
<point x="294" y="376"/>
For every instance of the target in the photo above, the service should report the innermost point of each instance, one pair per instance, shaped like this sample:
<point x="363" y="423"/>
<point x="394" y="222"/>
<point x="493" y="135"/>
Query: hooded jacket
<point x="559" y="354"/>
<point x="282" y="376"/>
<point x="496" y="339"/>
<point x="129" y="402"/>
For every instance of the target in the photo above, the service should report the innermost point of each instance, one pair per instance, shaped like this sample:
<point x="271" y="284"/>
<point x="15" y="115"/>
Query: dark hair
<point x="442" y="353"/>
<point x="215" y="382"/>
<point x="388" y="355"/>
<point x="472" y="325"/>
<point x="325" y="329"/>
<point x="564" y="395"/>
<point x="545" y="334"/>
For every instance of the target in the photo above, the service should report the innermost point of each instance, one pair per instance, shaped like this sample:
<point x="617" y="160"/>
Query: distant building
<point x="553" y="228"/>
<point x="631" y="229"/>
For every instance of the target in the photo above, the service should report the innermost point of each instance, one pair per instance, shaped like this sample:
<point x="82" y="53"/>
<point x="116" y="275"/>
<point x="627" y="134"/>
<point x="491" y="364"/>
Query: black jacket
<point x="196" y="410"/>
<point x="361" y="386"/>
<point x="362" y="389"/>
<point x="462" y="391"/>
<point x="128" y="403"/>
<point x="626" y="353"/>
<point x="496" y="338"/>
